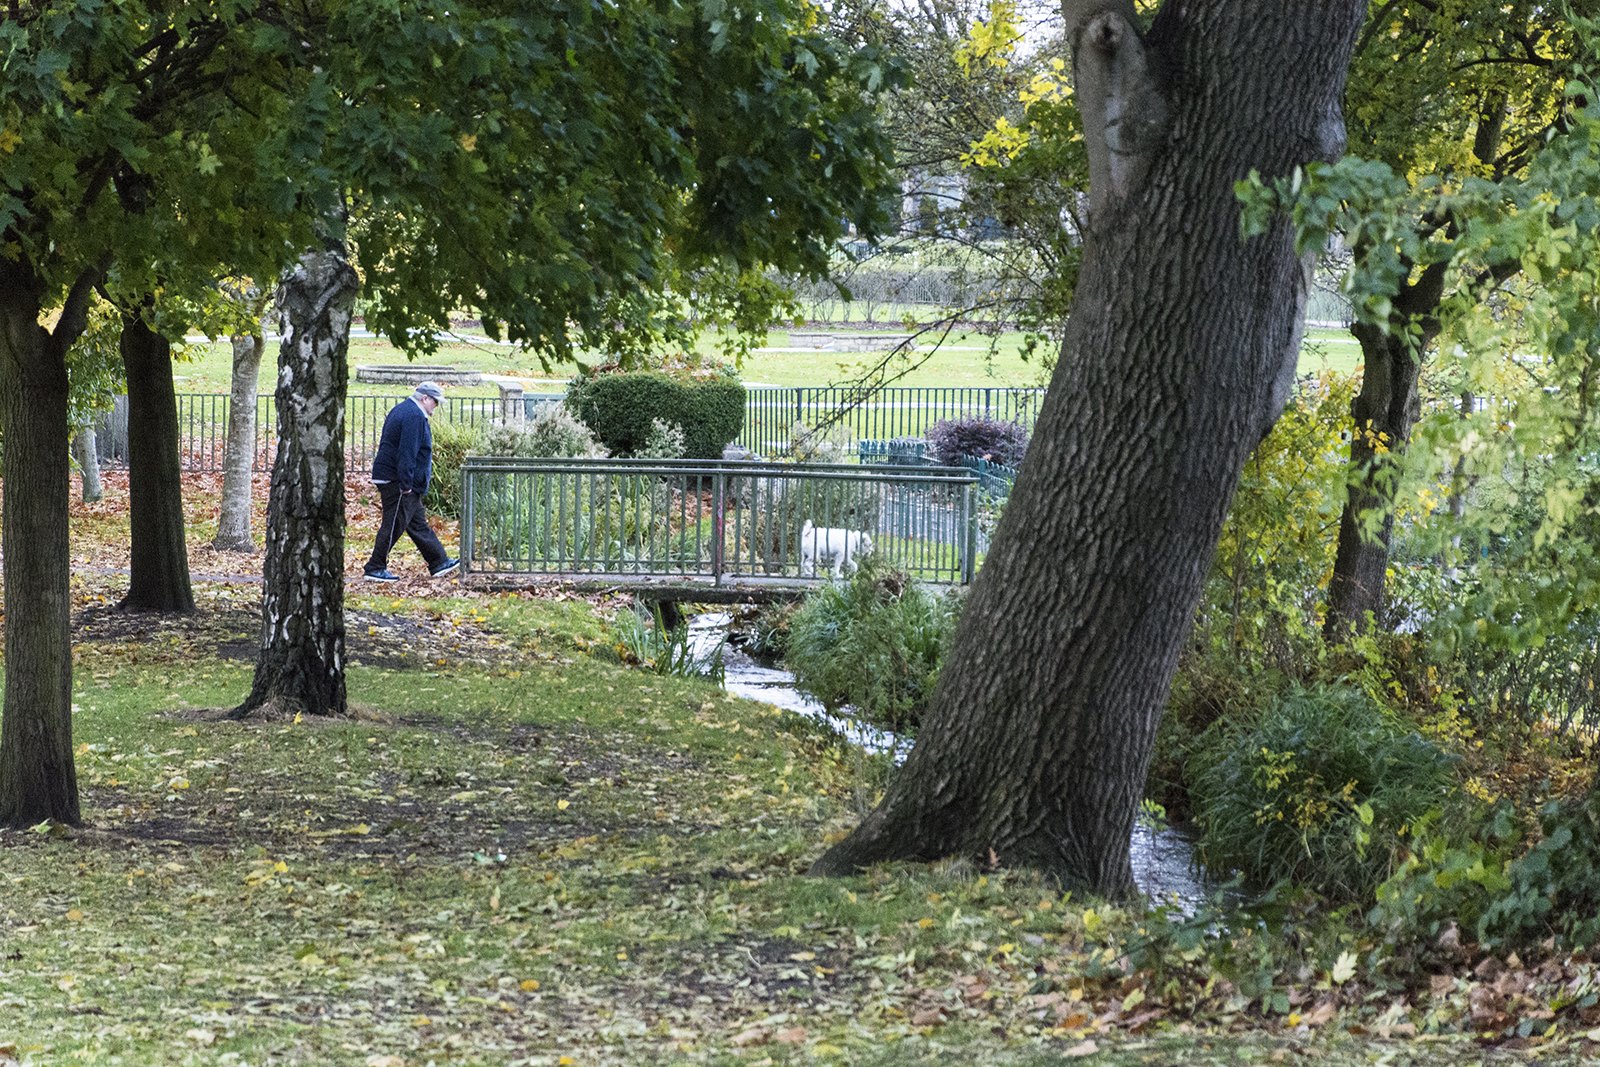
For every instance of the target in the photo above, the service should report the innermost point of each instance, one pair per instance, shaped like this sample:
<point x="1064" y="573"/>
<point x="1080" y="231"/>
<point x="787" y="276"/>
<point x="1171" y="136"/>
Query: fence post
<point x="468" y="524"/>
<point x="719" y="488"/>
<point x="969" y="536"/>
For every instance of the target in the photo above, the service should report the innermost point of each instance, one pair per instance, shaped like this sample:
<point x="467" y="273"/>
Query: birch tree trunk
<point x="38" y="780"/>
<point x="87" y="450"/>
<point x="233" y="521"/>
<point x="300" y="667"/>
<point x="1178" y="358"/>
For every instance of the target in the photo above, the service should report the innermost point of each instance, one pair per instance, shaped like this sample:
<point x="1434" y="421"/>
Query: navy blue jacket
<point x="405" y="450"/>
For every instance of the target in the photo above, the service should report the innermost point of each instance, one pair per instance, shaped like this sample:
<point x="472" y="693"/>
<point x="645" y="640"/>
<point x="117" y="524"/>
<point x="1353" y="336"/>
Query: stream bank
<point x="1163" y="857"/>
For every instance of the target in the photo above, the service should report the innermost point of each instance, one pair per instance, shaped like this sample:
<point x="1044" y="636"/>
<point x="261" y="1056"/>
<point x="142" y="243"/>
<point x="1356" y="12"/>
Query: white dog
<point x="832" y="547"/>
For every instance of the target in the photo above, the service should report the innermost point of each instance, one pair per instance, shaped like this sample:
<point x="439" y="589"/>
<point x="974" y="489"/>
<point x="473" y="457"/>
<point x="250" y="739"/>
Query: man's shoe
<point x="380" y="576"/>
<point x="445" y="568"/>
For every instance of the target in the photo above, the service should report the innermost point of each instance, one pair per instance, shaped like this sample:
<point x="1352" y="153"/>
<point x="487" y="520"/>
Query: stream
<point x="1163" y="859"/>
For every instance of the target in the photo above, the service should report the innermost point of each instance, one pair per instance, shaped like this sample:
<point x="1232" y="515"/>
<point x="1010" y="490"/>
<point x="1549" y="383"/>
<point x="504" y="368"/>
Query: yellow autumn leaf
<point x="563" y="805"/>
<point x="530" y="985"/>
<point x="74" y="915"/>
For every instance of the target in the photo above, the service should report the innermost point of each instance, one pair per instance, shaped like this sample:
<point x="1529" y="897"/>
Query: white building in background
<point x="929" y="194"/>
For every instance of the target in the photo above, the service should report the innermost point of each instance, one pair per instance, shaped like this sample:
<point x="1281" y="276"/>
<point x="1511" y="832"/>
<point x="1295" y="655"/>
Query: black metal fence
<point x="770" y="415"/>
<point x="902" y="411"/>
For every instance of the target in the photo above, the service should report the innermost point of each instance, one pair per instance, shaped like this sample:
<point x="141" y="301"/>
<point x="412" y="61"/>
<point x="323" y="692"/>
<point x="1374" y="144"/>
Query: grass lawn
<point x="963" y="360"/>
<point x="519" y="851"/>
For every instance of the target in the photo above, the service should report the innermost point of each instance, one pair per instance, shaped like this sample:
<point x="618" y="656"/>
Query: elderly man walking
<point x="401" y="470"/>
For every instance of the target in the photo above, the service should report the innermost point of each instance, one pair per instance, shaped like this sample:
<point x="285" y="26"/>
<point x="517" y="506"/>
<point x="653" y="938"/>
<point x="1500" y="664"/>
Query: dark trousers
<point x="404" y="513"/>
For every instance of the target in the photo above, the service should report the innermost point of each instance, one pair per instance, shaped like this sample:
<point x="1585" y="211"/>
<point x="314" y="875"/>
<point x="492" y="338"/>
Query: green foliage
<point x="552" y="434"/>
<point x="664" y="441"/>
<point x="1259" y="619"/>
<point x="621" y="409"/>
<point x="1502" y="895"/>
<point x="94" y="365"/>
<point x="453" y="442"/>
<point x="874" y="642"/>
<point x="642" y="639"/>
<point x="1318" y="789"/>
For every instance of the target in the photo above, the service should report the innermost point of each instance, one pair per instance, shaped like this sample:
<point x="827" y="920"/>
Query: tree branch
<point x="75" y="311"/>
<point x="1124" y="113"/>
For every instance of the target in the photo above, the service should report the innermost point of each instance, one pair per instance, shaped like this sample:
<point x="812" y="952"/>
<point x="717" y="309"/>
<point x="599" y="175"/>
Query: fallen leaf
<point x="1320" y="1015"/>
<point x="204" y="1038"/>
<point x="756" y="1035"/>
<point x="1145" y="1018"/>
<point x="529" y="985"/>
<point x="795" y="1036"/>
<point x="1088" y="1048"/>
<point x="74" y="915"/>
<point x="1441" y="984"/>
<point x="931" y="1017"/>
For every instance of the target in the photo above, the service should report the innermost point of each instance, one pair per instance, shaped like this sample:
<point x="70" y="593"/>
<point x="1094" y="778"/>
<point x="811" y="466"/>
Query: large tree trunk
<point x="159" y="564"/>
<point x="37" y="778"/>
<point x="233" y="522"/>
<point x="300" y="667"/>
<point x="1178" y="358"/>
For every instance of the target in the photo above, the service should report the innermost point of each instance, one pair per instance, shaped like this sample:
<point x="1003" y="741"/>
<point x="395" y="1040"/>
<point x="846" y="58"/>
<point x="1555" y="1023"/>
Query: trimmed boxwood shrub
<point x="620" y="408"/>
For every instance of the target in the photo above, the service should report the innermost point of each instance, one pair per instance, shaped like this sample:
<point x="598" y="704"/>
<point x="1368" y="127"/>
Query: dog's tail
<point x="805" y="531"/>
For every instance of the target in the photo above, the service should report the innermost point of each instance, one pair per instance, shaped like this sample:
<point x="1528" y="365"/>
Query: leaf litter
<point x="515" y="852"/>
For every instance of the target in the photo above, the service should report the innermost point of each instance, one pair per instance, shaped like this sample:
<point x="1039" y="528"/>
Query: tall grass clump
<point x="875" y="642"/>
<point x="1317" y="788"/>
<point x="643" y="639"/>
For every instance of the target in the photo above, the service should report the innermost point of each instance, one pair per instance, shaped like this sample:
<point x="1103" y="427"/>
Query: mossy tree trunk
<point x="1179" y="355"/>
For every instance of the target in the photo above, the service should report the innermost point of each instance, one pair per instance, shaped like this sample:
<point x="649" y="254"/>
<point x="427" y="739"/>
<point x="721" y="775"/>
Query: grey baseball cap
<point x="430" y="389"/>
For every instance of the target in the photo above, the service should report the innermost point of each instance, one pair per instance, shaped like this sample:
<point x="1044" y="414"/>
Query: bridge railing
<point x="720" y="522"/>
